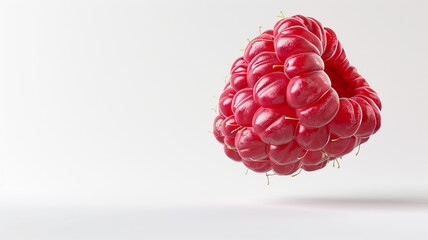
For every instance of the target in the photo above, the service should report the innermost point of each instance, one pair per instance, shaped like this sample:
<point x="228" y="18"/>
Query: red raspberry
<point x="294" y="102"/>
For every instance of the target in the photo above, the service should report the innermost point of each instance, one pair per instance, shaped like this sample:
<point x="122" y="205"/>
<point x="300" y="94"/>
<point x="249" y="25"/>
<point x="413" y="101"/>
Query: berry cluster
<point x="294" y="102"/>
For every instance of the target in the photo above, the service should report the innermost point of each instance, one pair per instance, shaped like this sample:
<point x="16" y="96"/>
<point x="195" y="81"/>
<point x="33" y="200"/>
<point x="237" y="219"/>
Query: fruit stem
<point x="282" y="15"/>
<point x="274" y="66"/>
<point x="302" y="156"/>
<point x="338" y="164"/>
<point x="358" y="151"/>
<point x="248" y="39"/>
<point x="324" y="154"/>
<point x="296" y="173"/>
<point x="242" y="129"/>
<point x="267" y="176"/>
<point x="289" y="118"/>
<point x="246" y="172"/>
<point x="334" y="140"/>
<point x="238" y="129"/>
<point x="260" y="29"/>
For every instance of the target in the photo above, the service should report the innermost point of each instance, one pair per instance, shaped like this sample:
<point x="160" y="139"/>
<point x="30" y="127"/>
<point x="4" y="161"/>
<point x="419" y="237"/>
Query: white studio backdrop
<point x="110" y="102"/>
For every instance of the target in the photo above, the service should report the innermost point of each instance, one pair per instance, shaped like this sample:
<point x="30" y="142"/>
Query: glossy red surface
<point x="285" y="169"/>
<point x="261" y="166"/>
<point x="336" y="146"/>
<point x="310" y="168"/>
<point x="287" y="153"/>
<point x="244" y="107"/>
<point x="314" y="158"/>
<point x="294" y="101"/>
<point x="312" y="139"/>
<point x="249" y="145"/>
<point x="238" y="74"/>
<point x="347" y="120"/>
<point x="272" y="126"/>
<point x="270" y="90"/>
<point x="232" y="153"/>
<point x="262" y="64"/>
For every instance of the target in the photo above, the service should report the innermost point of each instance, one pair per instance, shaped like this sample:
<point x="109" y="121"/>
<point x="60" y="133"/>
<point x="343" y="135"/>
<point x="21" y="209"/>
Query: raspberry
<point x="293" y="101"/>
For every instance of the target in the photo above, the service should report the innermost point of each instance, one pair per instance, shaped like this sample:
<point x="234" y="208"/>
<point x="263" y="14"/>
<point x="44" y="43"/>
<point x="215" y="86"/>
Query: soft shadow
<point x="360" y="202"/>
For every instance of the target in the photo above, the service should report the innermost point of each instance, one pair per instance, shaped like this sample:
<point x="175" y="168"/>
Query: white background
<point x="106" y="108"/>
